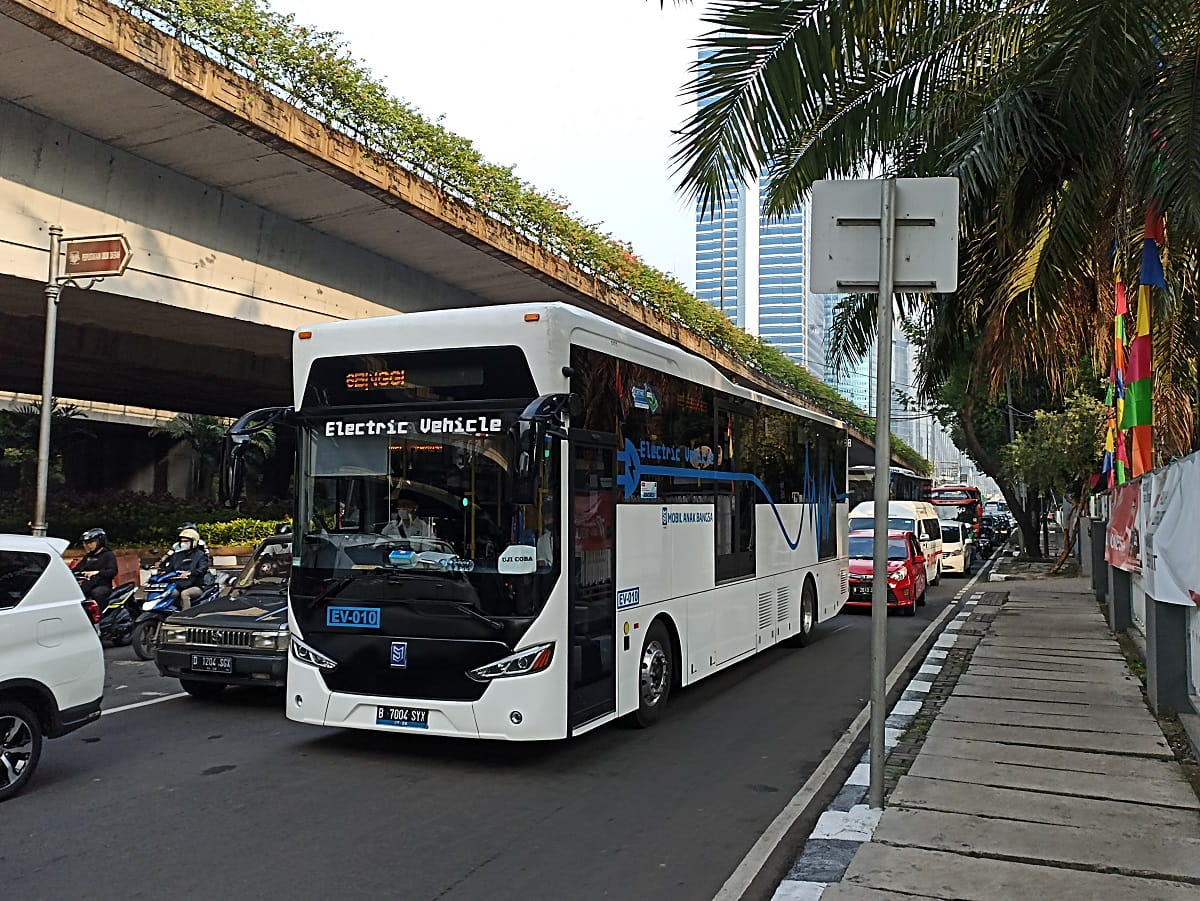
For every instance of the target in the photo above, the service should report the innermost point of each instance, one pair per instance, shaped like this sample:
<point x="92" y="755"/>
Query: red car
<point x="906" y="571"/>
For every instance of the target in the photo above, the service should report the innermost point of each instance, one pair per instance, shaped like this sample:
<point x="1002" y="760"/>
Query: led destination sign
<point x="424" y="425"/>
<point x="374" y="380"/>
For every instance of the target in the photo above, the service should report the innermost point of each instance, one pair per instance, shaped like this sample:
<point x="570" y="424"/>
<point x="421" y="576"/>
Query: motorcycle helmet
<point x="97" y="535"/>
<point x="183" y="527"/>
<point x="190" y="534"/>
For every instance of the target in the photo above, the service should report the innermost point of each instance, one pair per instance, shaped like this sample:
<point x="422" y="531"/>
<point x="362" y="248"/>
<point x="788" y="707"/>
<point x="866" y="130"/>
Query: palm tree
<point x="1065" y="120"/>
<point x="205" y="435"/>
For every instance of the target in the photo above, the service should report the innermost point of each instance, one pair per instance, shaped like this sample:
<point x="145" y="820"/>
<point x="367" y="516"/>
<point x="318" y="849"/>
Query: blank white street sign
<point x="844" y="254"/>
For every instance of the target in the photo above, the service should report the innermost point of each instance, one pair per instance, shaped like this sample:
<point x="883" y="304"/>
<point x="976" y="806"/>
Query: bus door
<point x="592" y="542"/>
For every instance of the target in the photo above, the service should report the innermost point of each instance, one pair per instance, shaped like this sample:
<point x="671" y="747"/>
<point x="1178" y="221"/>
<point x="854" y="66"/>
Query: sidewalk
<point x="1040" y="771"/>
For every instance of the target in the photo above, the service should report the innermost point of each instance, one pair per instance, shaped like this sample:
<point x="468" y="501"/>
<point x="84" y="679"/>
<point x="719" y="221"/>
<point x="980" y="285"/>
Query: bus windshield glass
<point x="423" y="508"/>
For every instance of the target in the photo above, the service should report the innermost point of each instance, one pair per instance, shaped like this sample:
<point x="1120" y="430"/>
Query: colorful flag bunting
<point x="1138" y="414"/>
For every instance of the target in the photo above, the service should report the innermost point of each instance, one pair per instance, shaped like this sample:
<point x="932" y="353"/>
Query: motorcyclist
<point x="191" y="559"/>
<point x="97" y="568"/>
<point x="161" y="565"/>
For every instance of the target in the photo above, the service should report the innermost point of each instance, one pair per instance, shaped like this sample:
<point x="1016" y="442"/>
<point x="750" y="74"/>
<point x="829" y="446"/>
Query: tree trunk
<point x="1071" y="531"/>
<point x="991" y="467"/>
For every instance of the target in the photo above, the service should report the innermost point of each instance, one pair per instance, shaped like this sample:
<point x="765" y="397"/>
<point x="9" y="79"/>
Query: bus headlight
<point x="522" y="663"/>
<point x="311" y="656"/>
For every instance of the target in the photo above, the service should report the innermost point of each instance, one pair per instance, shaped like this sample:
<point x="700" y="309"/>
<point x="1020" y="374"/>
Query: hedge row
<point x="135" y="519"/>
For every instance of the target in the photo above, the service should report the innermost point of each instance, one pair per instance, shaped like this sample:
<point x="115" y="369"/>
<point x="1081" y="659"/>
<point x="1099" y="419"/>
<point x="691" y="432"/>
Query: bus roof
<point x="544" y="330"/>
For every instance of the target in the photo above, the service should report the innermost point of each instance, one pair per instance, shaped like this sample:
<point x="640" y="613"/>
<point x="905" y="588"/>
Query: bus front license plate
<point x="403" y="717"/>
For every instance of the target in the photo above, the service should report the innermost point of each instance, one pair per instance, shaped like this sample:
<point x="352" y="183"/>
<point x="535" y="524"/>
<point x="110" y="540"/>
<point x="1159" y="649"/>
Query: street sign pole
<point x="94" y="257"/>
<point x="883" y="456"/>
<point x="858" y="245"/>
<point x="53" y="290"/>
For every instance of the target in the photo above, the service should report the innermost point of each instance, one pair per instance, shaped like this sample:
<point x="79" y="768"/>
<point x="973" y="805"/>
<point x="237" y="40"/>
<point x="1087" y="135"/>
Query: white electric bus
<point x="524" y="521"/>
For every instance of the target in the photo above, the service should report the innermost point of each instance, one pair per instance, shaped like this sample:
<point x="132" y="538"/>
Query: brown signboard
<point x="95" y="257"/>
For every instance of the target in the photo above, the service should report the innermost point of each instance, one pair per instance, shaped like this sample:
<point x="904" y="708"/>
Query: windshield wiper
<point x="471" y="611"/>
<point x="331" y="588"/>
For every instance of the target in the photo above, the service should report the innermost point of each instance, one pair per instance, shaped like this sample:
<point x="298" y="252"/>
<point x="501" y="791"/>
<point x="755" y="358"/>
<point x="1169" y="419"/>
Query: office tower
<point x="753" y="269"/>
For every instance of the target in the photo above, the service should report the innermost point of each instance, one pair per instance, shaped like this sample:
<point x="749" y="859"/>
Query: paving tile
<point x="1114" y="765"/>
<point x="1102" y="742"/>
<point x="1040" y="714"/>
<point x="1117" y="817"/>
<point x="940" y="874"/>
<point x="1059" y="782"/>
<point x="843" y="891"/>
<point x="1154" y="856"/>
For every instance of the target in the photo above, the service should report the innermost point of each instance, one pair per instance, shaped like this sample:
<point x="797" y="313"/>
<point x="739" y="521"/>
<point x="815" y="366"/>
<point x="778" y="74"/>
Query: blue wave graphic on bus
<point x="634" y="469"/>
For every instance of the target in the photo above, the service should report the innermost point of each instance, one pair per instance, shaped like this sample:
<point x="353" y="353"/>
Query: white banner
<point x="1171" y="571"/>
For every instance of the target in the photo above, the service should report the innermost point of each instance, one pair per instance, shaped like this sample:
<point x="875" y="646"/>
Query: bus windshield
<point x="421" y="509"/>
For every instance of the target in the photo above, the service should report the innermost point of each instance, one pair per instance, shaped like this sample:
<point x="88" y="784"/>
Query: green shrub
<point x="236" y="531"/>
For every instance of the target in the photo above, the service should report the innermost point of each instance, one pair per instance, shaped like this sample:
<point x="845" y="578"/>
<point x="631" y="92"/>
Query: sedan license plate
<point x="203" y="663"/>
<point x="404" y="717"/>
<point x="861" y="590"/>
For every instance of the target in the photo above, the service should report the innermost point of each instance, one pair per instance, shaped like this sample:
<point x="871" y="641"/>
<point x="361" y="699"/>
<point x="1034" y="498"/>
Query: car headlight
<point x="311" y="656"/>
<point x="275" y="640"/>
<point x="168" y="634"/>
<point x="898" y="575"/>
<point x="522" y="663"/>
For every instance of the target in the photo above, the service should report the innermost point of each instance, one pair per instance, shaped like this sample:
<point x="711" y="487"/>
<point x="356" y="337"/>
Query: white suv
<point x="51" y="662"/>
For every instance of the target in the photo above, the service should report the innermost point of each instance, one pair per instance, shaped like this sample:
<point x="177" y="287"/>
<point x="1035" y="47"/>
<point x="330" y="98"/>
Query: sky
<point x="580" y="97"/>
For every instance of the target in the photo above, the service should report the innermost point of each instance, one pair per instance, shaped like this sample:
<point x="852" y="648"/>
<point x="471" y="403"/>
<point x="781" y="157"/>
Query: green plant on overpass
<point x="315" y="70"/>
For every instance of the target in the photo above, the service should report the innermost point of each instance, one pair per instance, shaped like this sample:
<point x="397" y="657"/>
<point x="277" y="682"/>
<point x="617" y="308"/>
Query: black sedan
<point x="240" y="638"/>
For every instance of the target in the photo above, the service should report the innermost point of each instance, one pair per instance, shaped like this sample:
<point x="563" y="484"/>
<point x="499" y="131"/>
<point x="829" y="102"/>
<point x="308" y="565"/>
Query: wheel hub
<point x="656" y="673"/>
<point x="16" y="748"/>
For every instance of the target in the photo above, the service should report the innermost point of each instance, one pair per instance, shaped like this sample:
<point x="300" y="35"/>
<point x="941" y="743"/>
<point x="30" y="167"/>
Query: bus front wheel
<point x="657" y="669"/>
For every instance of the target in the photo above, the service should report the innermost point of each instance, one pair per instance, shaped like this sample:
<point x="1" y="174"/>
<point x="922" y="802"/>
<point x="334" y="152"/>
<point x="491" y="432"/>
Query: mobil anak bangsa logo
<point x="634" y="470"/>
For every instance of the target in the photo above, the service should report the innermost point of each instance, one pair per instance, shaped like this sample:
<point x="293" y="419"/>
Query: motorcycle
<point x="162" y="600"/>
<point x="118" y="615"/>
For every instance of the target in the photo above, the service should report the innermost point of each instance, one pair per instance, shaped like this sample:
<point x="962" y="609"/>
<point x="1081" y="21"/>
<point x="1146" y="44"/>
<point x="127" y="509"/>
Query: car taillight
<point x="93" y="610"/>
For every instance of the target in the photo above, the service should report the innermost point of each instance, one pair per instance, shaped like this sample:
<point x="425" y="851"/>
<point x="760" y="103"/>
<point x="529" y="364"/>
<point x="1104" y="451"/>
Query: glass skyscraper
<point x="754" y="269"/>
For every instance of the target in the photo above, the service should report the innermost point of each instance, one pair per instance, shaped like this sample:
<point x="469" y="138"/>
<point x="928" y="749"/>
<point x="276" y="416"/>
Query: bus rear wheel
<point x="656" y="672"/>
<point x="806" y="616"/>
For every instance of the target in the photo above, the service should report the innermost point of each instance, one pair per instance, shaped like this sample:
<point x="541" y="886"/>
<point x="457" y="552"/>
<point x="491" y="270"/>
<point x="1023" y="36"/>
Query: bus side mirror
<point x="530" y="438"/>
<point x="233" y="470"/>
<point x="233" y="449"/>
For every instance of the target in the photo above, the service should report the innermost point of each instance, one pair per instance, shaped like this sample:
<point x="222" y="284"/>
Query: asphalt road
<point x="191" y="799"/>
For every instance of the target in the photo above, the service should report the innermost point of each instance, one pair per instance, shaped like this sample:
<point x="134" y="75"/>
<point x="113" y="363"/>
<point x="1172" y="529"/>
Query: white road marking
<point x="182" y="694"/>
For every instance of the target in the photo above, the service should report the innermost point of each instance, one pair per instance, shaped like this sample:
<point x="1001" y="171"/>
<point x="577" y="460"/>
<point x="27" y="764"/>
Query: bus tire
<point x="807" y="614"/>
<point x="656" y="671"/>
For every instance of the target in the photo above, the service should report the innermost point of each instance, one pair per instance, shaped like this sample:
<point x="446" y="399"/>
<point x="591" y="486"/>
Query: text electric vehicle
<point x="550" y="522"/>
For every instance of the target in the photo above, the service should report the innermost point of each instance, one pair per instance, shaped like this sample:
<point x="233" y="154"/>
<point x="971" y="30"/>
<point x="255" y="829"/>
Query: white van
<point x="51" y="662"/>
<point x="917" y="517"/>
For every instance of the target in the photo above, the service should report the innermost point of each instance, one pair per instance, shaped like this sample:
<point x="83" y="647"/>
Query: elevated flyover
<point x="247" y="216"/>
